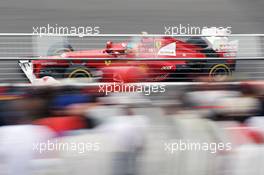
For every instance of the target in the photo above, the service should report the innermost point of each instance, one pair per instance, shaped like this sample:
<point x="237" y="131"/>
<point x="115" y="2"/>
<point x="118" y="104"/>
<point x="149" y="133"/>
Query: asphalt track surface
<point x="123" y="16"/>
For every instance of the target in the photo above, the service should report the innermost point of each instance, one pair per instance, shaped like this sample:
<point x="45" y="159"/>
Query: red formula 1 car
<point x="122" y="70"/>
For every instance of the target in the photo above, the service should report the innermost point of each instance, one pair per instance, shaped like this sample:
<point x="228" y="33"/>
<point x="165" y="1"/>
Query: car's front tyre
<point x="78" y="72"/>
<point x="55" y="72"/>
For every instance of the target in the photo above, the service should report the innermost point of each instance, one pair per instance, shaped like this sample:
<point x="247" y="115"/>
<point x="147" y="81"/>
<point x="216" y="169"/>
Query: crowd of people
<point x="77" y="130"/>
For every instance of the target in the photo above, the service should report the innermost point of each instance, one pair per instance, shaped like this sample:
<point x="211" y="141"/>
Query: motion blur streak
<point x="206" y="128"/>
<point x="198" y="129"/>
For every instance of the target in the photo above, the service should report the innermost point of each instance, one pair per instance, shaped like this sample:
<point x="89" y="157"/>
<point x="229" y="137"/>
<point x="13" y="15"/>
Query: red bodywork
<point x="130" y="71"/>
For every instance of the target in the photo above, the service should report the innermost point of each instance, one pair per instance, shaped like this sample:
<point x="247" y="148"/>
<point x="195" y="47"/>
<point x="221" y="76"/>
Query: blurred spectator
<point x="66" y="111"/>
<point x="62" y="124"/>
<point x="139" y="125"/>
<point x="126" y="126"/>
<point x="18" y="137"/>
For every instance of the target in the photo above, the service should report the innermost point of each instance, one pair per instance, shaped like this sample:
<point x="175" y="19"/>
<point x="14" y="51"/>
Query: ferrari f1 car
<point x="118" y="61"/>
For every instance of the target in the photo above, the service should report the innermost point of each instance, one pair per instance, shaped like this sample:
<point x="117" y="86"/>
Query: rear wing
<point x="219" y="40"/>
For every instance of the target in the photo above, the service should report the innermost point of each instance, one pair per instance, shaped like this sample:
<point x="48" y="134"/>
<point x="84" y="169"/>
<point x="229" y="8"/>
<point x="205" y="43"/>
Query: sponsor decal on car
<point x="166" y="68"/>
<point x="168" y="50"/>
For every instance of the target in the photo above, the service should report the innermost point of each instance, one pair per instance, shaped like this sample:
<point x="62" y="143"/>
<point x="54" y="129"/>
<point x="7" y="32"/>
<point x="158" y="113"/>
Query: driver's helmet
<point x="136" y="40"/>
<point x="133" y="44"/>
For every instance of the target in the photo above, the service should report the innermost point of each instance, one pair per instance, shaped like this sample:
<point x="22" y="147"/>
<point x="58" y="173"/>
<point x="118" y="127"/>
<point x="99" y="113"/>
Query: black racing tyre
<point x="78" y="72"/>
<point x="55" y="72"/>
<point x="59" y="48"/>
<point x="209" y="52"/>
<point x="219" y="72"/>
<point x="198" y="41"/>
<point x="61" y="51"/>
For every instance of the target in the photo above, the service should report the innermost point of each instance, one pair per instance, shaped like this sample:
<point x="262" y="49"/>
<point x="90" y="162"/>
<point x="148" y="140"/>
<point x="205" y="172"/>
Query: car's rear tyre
<point x="219" y="72"/>
<point x="59" y="48"/>
<point x="78" y="72"/>
<point x="55" y="72"/>
<point x="197" y="41"/>
<point x="61" y="51"/>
